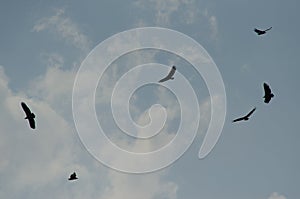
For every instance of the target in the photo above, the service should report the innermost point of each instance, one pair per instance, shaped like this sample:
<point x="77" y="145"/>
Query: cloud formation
<point x="67" y="29"/>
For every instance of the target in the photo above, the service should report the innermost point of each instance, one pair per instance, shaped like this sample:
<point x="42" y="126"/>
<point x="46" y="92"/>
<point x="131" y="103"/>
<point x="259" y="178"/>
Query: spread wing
<point x="268" y="29"/>
<point x="31" y="123"/>
<point x="164" y="79"/>
<point x="25" y="108"/>
<point x="238" y="119"/>
<point x="251" y="112"/>
<point x="170" y="75"/>
<point x="267" y="89"/>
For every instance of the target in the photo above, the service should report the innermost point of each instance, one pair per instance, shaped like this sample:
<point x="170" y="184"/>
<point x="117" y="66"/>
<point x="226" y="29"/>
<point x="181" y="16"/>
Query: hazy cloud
<point x="64" y="27"/>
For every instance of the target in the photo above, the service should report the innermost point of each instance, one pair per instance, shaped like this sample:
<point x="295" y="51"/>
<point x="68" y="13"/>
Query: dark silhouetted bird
<point x="268" y="93"/>
<point x="261" y="32"/>
<point x="246" y="117"/>
<point x="170" y="75"/>
<point x="73" y="176"/>
<point x="29" y="115"/>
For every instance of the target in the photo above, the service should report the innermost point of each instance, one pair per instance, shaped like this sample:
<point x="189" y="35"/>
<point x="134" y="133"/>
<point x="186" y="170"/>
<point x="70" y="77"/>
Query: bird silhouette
<point x="73" y="176"/>
<point x="261" y="32"/>
<point x="29" y="115"/>
<point x="246" y="117"/>
<point x="170" y="75"/>
<point x="268" y="93"/>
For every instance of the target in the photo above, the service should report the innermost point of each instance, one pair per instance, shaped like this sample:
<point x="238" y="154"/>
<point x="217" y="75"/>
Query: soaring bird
<point x="73" y="176"/>
<point x="29" y="115"/>
<point x="261" y="32"/>
<point x="246" y="117"/>
<point x="268" y="93"/>
<point x="170" y="75"/>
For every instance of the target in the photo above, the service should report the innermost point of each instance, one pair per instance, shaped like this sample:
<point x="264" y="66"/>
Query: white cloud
<point x="276" y="195"/>
<point x="185" y="12"/>
<point x="149" y="186"/>
<point x="213" y="23"/>
<point x="64" y="27"/>
<point x="55" y="86"/>
<point x="32" y="160"/>
<point x="37" y="163"/>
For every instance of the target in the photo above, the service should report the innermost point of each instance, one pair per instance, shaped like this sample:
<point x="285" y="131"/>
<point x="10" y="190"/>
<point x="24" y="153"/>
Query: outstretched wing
<point x="31" y="123"/>
<point x="251" y="112"/>
<point x="164" y="79"/>
<point x="268" y="29"/>
<point x="25" y="108"/>
<point x="238" y="119"/>
<point x="170" y="75"/>
<point x="267" y="89"/>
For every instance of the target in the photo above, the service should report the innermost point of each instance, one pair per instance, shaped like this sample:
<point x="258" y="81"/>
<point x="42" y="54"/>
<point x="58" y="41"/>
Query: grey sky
<point x="42" y="46"/>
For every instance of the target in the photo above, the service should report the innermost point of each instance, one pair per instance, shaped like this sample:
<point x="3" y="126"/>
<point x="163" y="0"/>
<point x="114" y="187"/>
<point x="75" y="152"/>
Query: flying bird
<point x="268" y="93"/>
<point x="73" y="176"/>
<point x="246" y="117"/>
<point x="261" y="32"/>
<point x="29" y="115"/>
<point x="170" y="75"/>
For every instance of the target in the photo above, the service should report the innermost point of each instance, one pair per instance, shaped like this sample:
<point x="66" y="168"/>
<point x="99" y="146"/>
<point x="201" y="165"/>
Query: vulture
<point x="29" y="115"/>
<point x="170" y="75"/>
<point x="268" y="93"/>
<point x="73" y="176"/>
<point x="246" y="117"/>
<point x="261" y="32"/>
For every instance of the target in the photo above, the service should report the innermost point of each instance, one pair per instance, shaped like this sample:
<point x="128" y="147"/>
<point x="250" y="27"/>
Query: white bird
<point x="170" y="75"/>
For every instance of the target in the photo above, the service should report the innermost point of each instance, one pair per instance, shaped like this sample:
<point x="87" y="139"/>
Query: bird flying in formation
<point x="246" y="117"/>
<point x="170" y="75"/>
<point x="73" y="176"/>
<point x="268" y="93"/>
<point x="261" y="32"/>
<point x="29" y="115"/>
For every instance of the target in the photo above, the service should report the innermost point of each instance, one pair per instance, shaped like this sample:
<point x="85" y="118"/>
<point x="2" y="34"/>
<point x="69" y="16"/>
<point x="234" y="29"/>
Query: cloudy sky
<point x="43" y="44"/>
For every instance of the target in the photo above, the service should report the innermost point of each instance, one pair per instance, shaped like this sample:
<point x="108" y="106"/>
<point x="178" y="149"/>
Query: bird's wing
<point x="267" y="100"/>
<point x="267" y="89"/>
<point x="164" y="79"/>
<point x="268" y="29"/>
<point x="238" y="119"/>
<point x="31" y="123"/>
<point x="250" y="113"/>
<point x="25" y="108"/>
<point x="172" y="72"/>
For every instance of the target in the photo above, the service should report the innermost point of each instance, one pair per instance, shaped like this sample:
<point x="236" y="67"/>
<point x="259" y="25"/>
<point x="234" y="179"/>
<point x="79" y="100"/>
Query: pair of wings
<point x="170" y="75"/>
<point x="28" y="115"/>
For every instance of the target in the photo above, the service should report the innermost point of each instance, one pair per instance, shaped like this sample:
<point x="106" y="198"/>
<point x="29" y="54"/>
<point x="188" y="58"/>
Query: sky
<point x="43" y="46"/>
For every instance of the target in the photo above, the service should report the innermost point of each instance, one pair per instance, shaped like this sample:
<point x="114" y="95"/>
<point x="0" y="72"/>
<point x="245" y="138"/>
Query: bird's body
<point x="73" y="176"/>
<point x="29" y="115"/>
<point x="268" y="93"/>
<point x="170" y="75"/>
<point x="246" y="117"/>
<point x="261" y="32"/>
